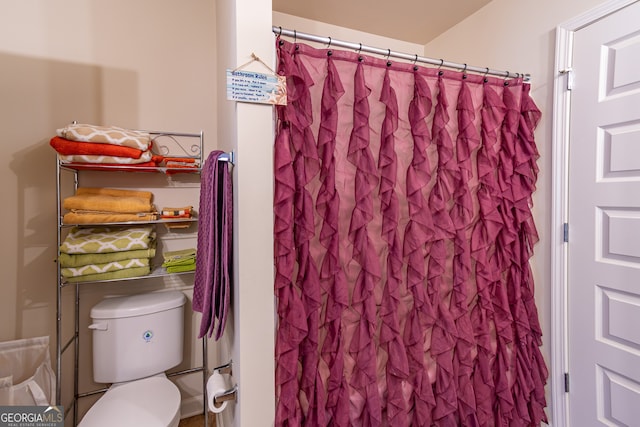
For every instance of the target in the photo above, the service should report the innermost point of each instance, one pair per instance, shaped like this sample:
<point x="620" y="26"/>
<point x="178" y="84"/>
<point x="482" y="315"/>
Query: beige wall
<point x="146" y="64"/>
<point x="291" y="22"/>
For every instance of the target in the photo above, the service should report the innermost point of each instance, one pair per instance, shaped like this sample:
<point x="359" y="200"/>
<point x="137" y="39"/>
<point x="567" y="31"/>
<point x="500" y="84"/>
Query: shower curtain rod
<point x="359" y="47"/>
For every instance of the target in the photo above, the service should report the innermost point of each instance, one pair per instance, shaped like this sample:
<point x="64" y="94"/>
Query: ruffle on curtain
<point x="403" y="235"/>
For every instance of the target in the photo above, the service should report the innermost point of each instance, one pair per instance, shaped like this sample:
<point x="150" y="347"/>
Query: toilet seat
<point x="150" y="402"/>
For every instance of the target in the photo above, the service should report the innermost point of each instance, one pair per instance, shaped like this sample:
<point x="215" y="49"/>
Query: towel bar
<point x="227" y="157"/>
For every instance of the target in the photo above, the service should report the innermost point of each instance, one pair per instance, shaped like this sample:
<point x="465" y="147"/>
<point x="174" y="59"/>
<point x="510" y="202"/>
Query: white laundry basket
<point x="26" y="376"/>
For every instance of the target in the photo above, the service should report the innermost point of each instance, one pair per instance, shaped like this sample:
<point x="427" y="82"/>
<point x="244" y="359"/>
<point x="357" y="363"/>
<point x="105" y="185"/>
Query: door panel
<point x="604" y="221"/>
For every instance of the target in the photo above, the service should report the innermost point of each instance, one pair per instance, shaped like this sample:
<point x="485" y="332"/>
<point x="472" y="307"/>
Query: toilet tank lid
<point x="137" y="305"/>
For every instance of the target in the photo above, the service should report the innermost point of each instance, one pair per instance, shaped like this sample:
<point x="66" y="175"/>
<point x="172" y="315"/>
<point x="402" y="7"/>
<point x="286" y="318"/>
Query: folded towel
<point x="111" y="275"/>
<point x="104" y="239"/>
<point x="146" y="156"/>
<point x="176" y="165"/>
<point x="91" y="217"/>
<point x="78" y="260"/>
<point x="67" y="147"/>
<point x="98" y="203"/>
<point x="179" y="254"/>
<point x="176" y="169"/>
<point x="115" y="192"/>
<point x="176" y="216"/>
<point x="104" y="268"/>
<point x="180" y="160"/>
<point x="173" y="263"/>
<point x="106" y="135"/>
<point x="183" y="212"/>
<point x="186" y="215"/>
<point x="181" y="268"/>
<point x="146" y="166"/>
<point x="181" y="263"/>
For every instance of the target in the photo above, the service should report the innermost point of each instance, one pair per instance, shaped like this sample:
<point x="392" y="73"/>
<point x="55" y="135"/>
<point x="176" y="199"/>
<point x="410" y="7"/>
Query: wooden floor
<point x="197" y="421"/>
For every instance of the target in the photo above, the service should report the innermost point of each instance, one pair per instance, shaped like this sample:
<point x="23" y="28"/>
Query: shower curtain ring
<point x="329" y="45"/>
<point x="360" y="58"/>
<point x="280" y="41"/>
<point x="295" y="36"/>
<point x="415" y="66"/>
<point x="485" y="75"/>
<point x="440" y="72"/>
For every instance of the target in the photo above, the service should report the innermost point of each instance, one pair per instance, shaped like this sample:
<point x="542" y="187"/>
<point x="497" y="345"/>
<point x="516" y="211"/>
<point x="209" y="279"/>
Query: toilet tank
<point x="137" y="336"/>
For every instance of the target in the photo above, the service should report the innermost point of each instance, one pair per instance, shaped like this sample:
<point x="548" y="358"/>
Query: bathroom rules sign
<point x="249" y="86"/>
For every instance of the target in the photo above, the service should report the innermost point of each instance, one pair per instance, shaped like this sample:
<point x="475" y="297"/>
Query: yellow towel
<point x="115" y="192"/>
<point x="108" y="204"/>
<point x="104" y="217"/>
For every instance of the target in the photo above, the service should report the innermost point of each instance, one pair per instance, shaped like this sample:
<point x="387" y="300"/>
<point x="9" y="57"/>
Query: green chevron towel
<point x="104" y="268"/>
<point x="105" y="239"/>
<point x="78" y="260"/>
<point x="119" y="274"/>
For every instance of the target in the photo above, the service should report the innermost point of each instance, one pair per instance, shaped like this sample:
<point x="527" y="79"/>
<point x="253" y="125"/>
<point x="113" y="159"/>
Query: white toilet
<point x="135" y="339"/>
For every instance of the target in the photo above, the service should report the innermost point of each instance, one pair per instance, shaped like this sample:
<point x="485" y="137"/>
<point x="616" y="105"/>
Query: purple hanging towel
<point x="212" y="287"/>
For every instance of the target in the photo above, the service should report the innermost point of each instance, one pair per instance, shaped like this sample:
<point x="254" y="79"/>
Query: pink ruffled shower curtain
<point x="403" y="233"/>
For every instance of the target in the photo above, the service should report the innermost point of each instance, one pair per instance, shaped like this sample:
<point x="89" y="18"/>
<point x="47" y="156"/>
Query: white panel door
<point x="604" y="223"/>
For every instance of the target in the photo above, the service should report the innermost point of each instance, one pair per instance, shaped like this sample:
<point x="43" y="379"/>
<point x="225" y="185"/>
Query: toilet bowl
<point x="135" y="340"/>
<point x="149" y="402"/>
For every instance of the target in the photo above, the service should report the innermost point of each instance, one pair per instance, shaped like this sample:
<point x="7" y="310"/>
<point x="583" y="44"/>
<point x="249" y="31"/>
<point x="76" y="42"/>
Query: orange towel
<point x="176" y="165"/>
<point x="67" y="147"/>
<point x="179" y="160"/>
